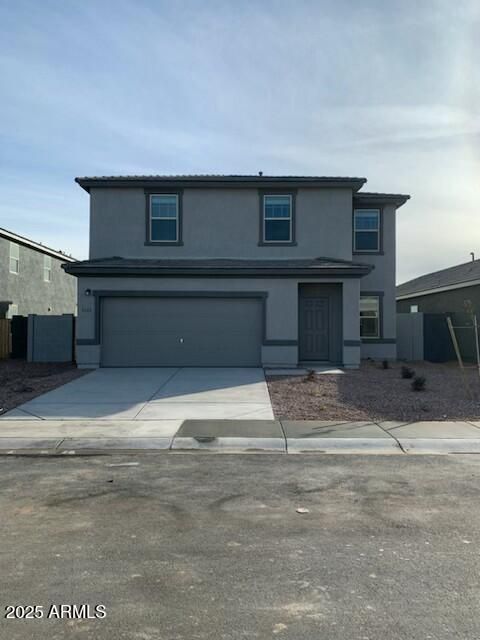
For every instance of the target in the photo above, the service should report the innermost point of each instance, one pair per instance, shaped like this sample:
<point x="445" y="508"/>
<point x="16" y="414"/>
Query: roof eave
<point x="398" y="199"/>
<point x="35" y="246"/>
<point x="316" y="272"/>
<point x="248" y="182"/>
<point x="439" y="289"/>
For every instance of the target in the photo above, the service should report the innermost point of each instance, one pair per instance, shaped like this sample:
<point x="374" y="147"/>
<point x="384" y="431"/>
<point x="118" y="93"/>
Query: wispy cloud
<point x="388" y="90"/>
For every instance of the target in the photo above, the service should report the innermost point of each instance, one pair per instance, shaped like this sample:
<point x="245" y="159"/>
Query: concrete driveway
<point x="155" y="394"/>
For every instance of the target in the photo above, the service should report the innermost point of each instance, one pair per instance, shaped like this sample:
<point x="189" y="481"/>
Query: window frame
<point x="379" y="315"/>
<point x="12" y="311"/>
<point x="264" y="194"/>
<point x="379" y="249"/>
<point x="12" y="257"/>
<point x="149" y="194"/>
<point x="47" y="269"/>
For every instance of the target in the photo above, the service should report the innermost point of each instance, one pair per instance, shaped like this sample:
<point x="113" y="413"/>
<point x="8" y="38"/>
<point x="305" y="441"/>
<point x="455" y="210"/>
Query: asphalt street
<point x="201" y="546"/>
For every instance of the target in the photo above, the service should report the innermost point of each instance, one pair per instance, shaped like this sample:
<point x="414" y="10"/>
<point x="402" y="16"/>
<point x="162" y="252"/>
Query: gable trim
<point x="449" y="287"/>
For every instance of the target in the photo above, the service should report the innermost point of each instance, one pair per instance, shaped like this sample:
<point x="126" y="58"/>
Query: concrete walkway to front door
<point x="155" y="394"/>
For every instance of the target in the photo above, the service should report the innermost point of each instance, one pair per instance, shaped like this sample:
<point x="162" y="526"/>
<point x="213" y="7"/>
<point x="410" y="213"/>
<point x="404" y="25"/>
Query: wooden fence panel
<point x="5" y="338"/>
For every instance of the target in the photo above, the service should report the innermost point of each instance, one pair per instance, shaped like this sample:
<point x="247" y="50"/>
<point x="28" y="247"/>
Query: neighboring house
<point x="444" y="291"/>
<point x="236" y="271"/>
<point x="32" y="279"/>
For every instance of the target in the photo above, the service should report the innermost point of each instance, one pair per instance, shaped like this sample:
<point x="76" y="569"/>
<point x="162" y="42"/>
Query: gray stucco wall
<point x="281" y="321"/>
<point x="225" y="223"/>
<point x="382" y="280"/>
<point x="221" y="223"/>
<point x="28" y="290"/>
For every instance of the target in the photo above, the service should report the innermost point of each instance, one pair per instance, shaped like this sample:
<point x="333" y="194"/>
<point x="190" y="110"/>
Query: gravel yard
<point x="21" y="381"/>
<point x="374" y="393"/>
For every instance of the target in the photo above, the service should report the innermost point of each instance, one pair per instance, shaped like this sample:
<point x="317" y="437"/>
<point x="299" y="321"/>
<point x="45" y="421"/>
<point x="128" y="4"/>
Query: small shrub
<point x="407" y="373"/>
<point x="418" y="383"/>
<point x="385" y="364"/>
<point x="310" y="377"/>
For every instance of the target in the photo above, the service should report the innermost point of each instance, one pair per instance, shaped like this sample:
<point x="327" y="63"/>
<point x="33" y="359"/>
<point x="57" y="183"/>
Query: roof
<point x="219" y="266"/>
<point x="37" y="246"/>
<point x="372" y="197"/>
<point x="466" y="274"/>
<point x="215" y="180"/>
<point x="242" y="181"/>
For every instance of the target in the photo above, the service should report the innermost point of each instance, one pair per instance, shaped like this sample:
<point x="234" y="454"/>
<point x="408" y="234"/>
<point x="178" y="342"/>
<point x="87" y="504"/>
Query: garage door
<point x="181" y="332"/>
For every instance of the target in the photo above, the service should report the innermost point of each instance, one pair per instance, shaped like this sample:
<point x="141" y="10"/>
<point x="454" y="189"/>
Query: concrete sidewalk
<point x="237" y="436"/>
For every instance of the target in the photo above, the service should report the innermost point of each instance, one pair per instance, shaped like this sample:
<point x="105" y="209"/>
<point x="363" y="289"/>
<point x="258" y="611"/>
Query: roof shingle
<point x="217" y="265"/>
<point x="453" y="276"/>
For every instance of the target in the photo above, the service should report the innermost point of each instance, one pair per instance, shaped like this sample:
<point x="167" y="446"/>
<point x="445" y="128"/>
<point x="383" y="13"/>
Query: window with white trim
<point x="414" y="308"/>
<point x="277" y="218"/>
<point x="366" y="230"/>
<point x="369" y="317"/>
<point x="47" y="268"/>
<point x="14" y="257"/>
<point x="164" y="217"/>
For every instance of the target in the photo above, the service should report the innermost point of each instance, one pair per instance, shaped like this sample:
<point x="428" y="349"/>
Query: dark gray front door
<point x="314" y="334"/>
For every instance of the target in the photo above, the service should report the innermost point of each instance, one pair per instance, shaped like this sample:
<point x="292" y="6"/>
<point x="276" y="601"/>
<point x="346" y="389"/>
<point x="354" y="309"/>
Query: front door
<point x="314" y="334"/>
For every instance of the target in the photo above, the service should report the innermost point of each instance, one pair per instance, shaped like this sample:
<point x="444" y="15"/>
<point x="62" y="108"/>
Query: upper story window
<point x="369" y="316"/>
<point x="366" y="230"/>
<point x="164" y="218"/>
<point x="47" y="268"/>
<point x="14" y="257"/>
<point x="278" y="218"/>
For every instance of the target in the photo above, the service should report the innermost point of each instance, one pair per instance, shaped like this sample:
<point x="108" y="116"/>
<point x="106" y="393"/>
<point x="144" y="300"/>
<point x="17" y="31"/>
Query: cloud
<point x="381" y="89"/>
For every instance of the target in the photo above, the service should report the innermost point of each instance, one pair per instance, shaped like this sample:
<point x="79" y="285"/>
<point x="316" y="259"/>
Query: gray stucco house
<point x="236" y="271"/>
<point x="444" y="291"/>
<point x="32" y="279"/>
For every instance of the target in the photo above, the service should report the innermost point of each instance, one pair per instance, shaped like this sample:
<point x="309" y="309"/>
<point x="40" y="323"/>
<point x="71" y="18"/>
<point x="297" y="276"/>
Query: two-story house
<point x="236" y="271"/>
<point x="32" y="279"/>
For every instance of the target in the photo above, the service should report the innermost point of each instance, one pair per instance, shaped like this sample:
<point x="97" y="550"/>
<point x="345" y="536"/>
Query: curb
<point x="227" y="444"/>
<point x="344" y="445"/>
<point x="293" y="446"/>
<point x="440" y="446"/>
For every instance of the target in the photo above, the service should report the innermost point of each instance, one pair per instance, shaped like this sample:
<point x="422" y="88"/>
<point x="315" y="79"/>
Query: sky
<point x="385" y="89"/>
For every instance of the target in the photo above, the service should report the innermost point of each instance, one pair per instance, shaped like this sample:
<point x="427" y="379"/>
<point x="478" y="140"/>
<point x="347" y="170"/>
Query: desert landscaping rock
<point x="21" y="381"/>
<point x="375" y="394"/>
